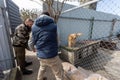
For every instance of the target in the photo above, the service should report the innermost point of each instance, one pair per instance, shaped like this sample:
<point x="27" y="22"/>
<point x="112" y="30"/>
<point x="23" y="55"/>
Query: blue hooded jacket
<point x="44" y="33"/>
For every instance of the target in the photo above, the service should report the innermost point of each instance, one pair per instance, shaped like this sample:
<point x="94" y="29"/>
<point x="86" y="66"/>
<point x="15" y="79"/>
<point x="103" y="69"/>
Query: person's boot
<point x="27" y="72"/>
<point x="45" y="78"/>
<point x="27" y="63"/>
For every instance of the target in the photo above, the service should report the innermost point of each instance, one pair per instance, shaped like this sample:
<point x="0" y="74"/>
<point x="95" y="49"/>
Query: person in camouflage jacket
<point x="20" y="41"/>
<point x="21" y="36"/>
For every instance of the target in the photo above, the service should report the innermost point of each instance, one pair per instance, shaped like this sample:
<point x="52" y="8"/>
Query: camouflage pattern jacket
<point x="21" y="36"/>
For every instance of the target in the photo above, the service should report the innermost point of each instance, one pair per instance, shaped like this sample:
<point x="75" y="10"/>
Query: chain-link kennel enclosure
<point x="98" y="49"/>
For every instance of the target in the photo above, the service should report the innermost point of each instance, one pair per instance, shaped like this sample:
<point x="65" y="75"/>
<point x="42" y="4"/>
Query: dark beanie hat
<point x="46" y="13"/>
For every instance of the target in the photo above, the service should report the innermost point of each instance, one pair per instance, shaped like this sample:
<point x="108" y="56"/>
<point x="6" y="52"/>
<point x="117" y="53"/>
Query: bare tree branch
<point x="26" y="13"/>
<point x="54" y="7"/>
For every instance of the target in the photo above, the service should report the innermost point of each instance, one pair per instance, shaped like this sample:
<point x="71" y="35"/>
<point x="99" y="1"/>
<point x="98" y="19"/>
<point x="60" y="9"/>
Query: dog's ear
<point x="79" y="34"/>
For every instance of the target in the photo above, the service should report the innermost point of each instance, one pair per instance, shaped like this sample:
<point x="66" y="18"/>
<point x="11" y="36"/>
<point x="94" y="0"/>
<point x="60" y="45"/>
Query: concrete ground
<point x="30" y="56"/>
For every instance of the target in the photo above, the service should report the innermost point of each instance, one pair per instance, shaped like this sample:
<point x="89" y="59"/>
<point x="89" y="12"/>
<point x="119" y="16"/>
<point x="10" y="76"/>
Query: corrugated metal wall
<point x="5" y="53"/>
<point x="14" y="15"/>
<point x="79" y="21"/>
<point x="9" y="19"/>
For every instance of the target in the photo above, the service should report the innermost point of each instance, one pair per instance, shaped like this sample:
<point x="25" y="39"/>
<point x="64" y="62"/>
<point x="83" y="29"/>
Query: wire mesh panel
<point x="92" y="55"/>
<point x="98" y="48"/>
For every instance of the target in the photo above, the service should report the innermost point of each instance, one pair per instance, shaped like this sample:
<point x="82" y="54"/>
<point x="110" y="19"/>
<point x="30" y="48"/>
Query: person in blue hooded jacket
<point x="44" y="37"/>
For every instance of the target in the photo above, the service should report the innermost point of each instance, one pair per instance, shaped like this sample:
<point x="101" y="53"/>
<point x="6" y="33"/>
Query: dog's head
<point x="78" y="34"/>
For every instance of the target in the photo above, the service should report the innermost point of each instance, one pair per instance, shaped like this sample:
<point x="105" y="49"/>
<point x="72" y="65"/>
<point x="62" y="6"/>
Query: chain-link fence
<point x="99" y="47"/>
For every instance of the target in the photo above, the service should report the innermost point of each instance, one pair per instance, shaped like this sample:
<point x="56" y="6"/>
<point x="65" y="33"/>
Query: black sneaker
<point x="44" y="78"/>
<point x="27" y="72"/>
<point x="27" y="63"/>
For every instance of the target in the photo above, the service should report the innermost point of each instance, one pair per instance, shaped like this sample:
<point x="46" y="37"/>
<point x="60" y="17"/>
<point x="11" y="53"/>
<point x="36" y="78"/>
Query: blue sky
<point x="109" y="6"/>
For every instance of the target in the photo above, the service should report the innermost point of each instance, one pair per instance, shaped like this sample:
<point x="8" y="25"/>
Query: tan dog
<point x="72" y="39"/>
<point x="95" y="77"/>
<point x="72" y="73"/>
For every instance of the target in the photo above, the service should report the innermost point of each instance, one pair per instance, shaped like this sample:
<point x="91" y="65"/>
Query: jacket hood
<point x="43" y="20"/>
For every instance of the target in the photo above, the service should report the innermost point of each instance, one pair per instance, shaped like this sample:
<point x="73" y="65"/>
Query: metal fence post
<point x="112" y="28"/>
<point x="91" y="28"/>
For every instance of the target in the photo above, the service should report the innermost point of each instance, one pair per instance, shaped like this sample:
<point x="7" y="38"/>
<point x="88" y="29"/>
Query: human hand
<point x="34" y="50"/>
